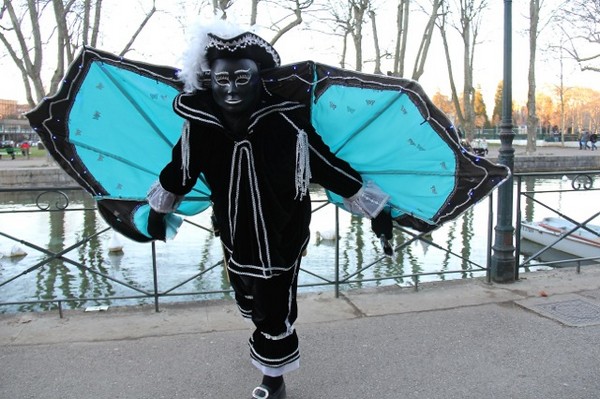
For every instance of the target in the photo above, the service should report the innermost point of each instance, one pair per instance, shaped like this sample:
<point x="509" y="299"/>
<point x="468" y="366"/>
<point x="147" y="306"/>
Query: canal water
<point x="196" y="251"/>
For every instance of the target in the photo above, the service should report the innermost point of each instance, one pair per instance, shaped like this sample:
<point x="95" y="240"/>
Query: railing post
<point x="337" y="252"/>
<point x="503" y="259"/>
<point x="155" y="276"/>
<point x="488" y="259"/>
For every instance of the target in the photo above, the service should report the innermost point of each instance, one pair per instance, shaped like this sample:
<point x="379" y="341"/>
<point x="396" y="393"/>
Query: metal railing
<point x="578" y="183"/>
<point x="66" y="257"/>
<point x="57" y="201"/>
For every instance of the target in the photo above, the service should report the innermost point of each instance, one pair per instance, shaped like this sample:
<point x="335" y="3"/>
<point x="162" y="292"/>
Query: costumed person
<point x="257" y="153"/>
<point x="255" y="134"/>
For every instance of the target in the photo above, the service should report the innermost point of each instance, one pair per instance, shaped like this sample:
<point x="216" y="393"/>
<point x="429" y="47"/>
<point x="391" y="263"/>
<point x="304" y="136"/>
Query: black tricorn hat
<point x="247" y="45"/>
<point x="222" y="39"/>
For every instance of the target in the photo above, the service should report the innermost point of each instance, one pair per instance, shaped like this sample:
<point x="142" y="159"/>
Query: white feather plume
<point x="194" y="61"/>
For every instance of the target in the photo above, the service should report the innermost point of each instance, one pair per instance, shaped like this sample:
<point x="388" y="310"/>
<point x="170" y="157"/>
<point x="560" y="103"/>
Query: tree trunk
<point x="401" y="37"/>
<point x="468" y="27"/>
<point x="96" y="25"/>
<point x="455" y="101"/>
<point x="62" y="41"/>
<point x="358" y="13"/>
<point x="377" y="68"/>
<point x="28" y="50"/>
<point x="297" y="21"/>
<point x="468" y="90"/>
<point x="532" y="119"/>
<point x="562" y="101"/>
<point x="253" y="12"/>
<point x="419" y="67"/>
<point x="139" y="30"/>
<point x="344" y="51"/>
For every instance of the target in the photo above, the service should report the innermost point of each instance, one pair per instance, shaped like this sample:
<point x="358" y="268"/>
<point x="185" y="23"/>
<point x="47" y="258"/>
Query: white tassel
<point x="185" y="151"/>
<point x="303" y="174"/>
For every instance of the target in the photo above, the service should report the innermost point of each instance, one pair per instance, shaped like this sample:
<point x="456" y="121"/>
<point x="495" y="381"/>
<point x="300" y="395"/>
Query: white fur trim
<point x="194" y="58"/>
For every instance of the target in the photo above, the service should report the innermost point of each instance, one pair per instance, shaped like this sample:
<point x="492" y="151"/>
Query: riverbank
<point x="45" y="172"/>
<point x="34" y="172"/>
<point x="550" y="157"/>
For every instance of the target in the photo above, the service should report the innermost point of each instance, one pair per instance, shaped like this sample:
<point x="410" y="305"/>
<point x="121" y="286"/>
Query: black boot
<point x="271" y="388"/>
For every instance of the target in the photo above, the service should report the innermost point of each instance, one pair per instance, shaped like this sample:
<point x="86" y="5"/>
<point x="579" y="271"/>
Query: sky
<point x="163" y="40"/>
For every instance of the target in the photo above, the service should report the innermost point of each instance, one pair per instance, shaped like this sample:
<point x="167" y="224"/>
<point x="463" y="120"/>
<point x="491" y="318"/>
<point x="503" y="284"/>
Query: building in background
<point x="8" y="109"/>
<point x="14" y="127"/>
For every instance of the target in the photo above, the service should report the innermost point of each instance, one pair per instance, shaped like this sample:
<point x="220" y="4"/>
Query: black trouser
<point x="271" y="305"/>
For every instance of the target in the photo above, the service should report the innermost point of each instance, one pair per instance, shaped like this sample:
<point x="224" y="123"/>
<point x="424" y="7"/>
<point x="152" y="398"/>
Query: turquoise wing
<point x="111" y="127"/>
<point x="391" y="133"/>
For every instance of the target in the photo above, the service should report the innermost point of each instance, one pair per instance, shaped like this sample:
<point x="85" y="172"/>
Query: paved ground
<point x="535" y="338"/>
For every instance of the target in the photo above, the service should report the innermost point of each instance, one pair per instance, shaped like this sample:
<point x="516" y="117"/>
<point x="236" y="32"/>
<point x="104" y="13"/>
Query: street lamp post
<point x="503" y="257"/>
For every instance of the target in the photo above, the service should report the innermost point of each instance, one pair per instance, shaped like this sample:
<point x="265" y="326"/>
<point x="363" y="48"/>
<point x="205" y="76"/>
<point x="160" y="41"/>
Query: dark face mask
<point x="235" y="84"/>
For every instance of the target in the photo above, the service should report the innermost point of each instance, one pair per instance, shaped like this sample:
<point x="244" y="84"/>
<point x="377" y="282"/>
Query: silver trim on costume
<point x="368" y="201"/>
<point x="194" y="113"/>
<point x="245" y="40"/>
<point x="277" y="371"/>
<point x="162" y="200"/>
<point x="185" y="151"/>
<point x="303" y="174"/>
<point x="243" y="158"/>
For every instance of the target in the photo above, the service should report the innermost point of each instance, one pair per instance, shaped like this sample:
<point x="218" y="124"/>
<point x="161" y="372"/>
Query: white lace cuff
<point x="162" y="200"/>
<point x="368" y="201"/>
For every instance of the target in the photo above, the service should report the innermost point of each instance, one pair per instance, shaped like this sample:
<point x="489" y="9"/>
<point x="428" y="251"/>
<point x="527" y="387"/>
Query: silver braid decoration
<point x="303" y="174"/>
<point x="185" y="151"/>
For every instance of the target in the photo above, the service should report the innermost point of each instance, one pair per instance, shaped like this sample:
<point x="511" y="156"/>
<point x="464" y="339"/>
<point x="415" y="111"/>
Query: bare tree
<point x="30" y="43"/>
<point x="253" y="12"/>
<point x="537" y="24"/>
<point x="346" y="25"/>
<point x="532" y="119"/>
<point x="426" y="38"/>
<point x="402" y="25"/>
<point x="349" y="16"/>
<point x="340" y="16"/>
<point x="292" y="16"/>
<point x="220" y="7"/>
<point x="138" y="30"/>
<point x="562" y="91"/>
<point x="442" y="23"/>
<point x="467" y="25"/>
<point x="359" y="9"/>
<point x="377" y="68"/>
<point x="402" y="15"/>
<point x="580" y="21"/>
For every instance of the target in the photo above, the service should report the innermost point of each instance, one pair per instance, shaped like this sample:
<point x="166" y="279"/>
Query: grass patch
<point x="34" y="152"/>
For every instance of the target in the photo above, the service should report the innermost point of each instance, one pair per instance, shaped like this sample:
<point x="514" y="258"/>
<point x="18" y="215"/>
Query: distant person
<point x="583" y="141"/>
<point x="25" y="149"/>
<point x="593" y="140"/>
<point x="10" y="151"/>
<point x="555" y="133"/>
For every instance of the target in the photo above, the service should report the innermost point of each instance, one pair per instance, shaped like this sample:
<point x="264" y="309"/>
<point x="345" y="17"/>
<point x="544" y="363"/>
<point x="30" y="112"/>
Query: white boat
<point x="581" y="242"/>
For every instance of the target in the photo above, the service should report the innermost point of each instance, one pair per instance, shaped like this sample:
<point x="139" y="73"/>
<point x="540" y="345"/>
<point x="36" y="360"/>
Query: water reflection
<point x="195" y="252"/>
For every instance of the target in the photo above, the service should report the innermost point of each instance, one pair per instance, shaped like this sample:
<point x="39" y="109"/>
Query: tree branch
<point x="139" y="29"/>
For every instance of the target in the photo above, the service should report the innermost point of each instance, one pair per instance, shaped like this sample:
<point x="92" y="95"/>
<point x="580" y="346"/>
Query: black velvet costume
<point x="261" y="211"/>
